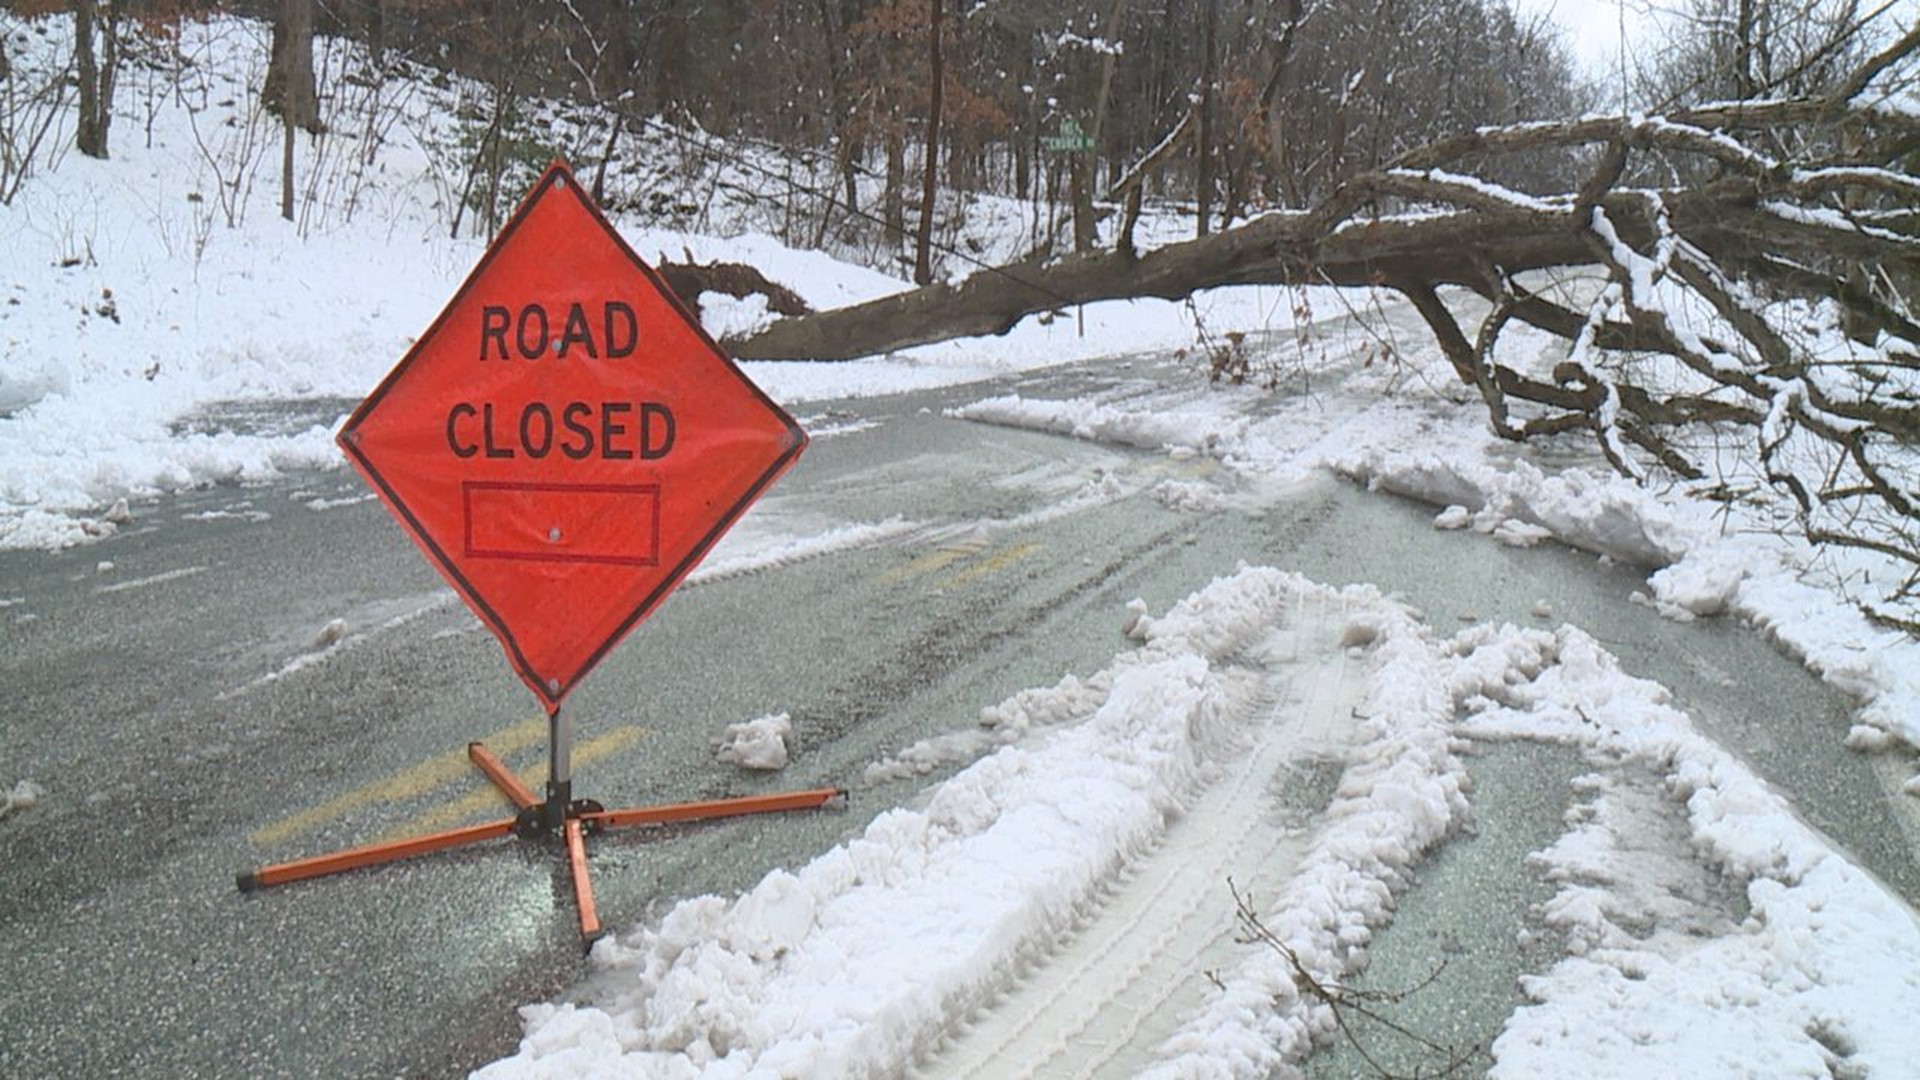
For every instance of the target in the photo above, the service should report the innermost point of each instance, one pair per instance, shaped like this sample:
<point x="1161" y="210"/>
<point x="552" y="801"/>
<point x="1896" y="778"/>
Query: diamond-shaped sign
<point x="565" y="442"/>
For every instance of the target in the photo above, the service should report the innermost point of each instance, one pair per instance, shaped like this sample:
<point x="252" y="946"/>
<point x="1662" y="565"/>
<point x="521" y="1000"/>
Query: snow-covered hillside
<point x="145" y="292"/>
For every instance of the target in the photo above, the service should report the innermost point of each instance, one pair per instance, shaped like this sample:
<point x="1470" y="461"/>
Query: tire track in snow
<point x="1112" y="992"/>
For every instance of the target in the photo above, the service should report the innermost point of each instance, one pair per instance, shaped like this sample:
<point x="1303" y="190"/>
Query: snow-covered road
<point x="1116" y="987"/>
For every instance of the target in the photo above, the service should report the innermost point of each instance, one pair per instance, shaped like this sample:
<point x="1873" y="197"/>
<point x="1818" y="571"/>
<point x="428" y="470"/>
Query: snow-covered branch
<point x="1767" y="248"/>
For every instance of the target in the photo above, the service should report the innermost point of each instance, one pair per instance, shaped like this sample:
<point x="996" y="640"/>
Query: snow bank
<point x="1207" y="431"/>
<point x="1022" y="715"/>
<point x="1403" y="791"/>
<point x="1820" y="976"/>
<point x="1764" y="579"/>
<point x="1703" y="570"/>
<point x="857" y="962"/>
<point x="1608" y="515"/>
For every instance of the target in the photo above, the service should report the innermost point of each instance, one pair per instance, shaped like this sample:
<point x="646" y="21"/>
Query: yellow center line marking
<point x="1000" y="561"/>
<point x="488" y="798"/>
<point x="935" y="561"/>
<point x="434" y="772"/>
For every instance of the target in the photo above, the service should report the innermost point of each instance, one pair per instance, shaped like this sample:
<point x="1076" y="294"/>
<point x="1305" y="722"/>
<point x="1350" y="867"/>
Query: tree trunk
<point x="1130" y="186"/>
<point x="289" y="84"/>
<point x="1203" y="167"/>
<point x="88" y="138"/>
<point x="1086" y="231"/>
<point x="1274" y="97"/>
<point x="1744" y="87"/>
<point x="853" y="154"/>
<point x="606" y="159"/>
<point x="286" y="171"/>
<point x="893" y="199"/>
<point x="1271" y="250"/>
<point x="377" y="30"/>
<point x="302" y="100"/>
<point x="298" y="107"/>
<point x="95" y="65"/>
<point x="846" y="145"/>
<point x="670" y="56"/>
<point x="930" y="186"/>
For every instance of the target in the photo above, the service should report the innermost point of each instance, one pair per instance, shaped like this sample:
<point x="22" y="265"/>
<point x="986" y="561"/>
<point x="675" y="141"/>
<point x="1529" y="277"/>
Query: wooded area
<point x="1348" y="83"/>
<point x="1739" y="201"/>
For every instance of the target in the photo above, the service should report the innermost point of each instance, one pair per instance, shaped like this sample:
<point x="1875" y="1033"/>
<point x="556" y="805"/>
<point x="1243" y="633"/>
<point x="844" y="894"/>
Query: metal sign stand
<point x="729" y="441"/>
<point x="553" y="812"/>
<point x="559" y="814"/>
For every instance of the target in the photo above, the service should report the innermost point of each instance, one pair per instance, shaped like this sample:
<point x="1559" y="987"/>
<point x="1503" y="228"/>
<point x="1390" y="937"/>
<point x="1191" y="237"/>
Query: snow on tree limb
<point x="1769" y="247"/>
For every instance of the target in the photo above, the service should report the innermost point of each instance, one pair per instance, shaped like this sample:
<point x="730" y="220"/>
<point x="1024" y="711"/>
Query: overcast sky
<point x="1592" y="27"/>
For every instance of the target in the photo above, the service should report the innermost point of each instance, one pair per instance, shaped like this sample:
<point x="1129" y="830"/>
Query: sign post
<point x="564" y="444"/>
<point x="553" y="813"/>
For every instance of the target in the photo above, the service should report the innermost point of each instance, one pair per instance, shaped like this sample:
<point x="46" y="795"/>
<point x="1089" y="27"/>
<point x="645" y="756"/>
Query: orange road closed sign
<point x="565" y="443"/>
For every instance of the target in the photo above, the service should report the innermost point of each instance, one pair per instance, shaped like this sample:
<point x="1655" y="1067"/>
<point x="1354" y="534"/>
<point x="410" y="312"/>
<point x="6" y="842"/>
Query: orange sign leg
<point x="582" y="885"/>
<point x="372" y="855"/>
<point x="502" y="777"/>
<point x="697" y="811"/>
<point x="575" y="820"/>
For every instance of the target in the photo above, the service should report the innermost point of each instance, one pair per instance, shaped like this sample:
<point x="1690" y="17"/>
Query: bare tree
<point x="290" y="70"/>
<point x="31" y="104"/>
<point x="1740" y="50"/>
<point x="1085" y="225"/>
<point x="289" y="86"/>
<point x="1204" y="153"/>
<point x="1799" y="190"/>
<point x="930" y="186"/>
<point x="96" y="62"/>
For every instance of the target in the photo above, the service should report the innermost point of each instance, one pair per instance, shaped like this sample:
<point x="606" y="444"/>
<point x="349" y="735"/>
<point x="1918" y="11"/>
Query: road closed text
<point x="610" y="430"/>
<point x="613" y="430"/>
<point x="532" y="332"/>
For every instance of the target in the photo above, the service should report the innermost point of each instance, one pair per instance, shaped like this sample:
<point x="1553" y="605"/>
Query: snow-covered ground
<point x="136" y="315"/>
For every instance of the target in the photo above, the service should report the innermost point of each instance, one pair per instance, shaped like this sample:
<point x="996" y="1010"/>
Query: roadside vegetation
<point x="1721" y="231"/>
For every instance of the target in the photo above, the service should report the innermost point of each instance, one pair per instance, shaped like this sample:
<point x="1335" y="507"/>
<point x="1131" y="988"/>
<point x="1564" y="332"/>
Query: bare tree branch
<point x="1782" y="284"/>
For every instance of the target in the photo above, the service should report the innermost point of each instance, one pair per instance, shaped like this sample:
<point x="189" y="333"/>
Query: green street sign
<point x="1071" y="139"/>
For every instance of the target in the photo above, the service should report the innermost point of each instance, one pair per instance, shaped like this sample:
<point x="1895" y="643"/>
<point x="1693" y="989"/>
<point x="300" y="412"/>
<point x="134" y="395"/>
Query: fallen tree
<point x="1767" y="251"/>
<point x="691" y="279"/>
